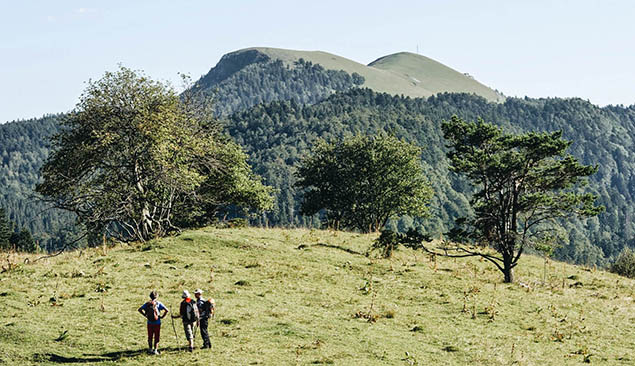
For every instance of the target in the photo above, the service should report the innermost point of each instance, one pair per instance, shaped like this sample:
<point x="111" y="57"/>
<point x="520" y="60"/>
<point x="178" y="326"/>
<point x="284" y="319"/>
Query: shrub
<point x="624" y="265"/>
<point x="386" y="243"/>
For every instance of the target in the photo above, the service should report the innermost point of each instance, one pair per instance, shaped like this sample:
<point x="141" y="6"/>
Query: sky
<point x="50" y="49"/>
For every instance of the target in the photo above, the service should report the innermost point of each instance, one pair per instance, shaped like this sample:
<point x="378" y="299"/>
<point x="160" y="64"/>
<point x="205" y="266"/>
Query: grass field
<point x="287" y="297"/>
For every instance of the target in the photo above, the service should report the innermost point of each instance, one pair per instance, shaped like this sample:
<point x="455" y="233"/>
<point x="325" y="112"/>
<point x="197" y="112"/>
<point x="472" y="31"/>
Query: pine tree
<point x="6" y="229"/>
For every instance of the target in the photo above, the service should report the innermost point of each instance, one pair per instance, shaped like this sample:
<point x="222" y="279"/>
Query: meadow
<point x="302" y="297"/>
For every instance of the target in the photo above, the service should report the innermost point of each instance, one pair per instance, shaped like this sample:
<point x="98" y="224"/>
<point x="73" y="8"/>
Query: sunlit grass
<point x="311" y="297"/>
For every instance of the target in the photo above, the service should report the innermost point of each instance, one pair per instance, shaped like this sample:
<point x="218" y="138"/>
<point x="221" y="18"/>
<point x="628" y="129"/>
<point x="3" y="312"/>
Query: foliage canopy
<point x="362" y="181"/>
<point x="131" y="157"/>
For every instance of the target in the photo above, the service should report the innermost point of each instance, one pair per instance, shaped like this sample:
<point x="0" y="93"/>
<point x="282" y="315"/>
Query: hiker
<point x="151" y="310"/>
<point x="188" y="313"/>
<point x="206" y="309"/>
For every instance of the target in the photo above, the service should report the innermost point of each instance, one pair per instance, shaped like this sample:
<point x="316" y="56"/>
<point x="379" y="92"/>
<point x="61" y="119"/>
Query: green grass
<point x="401" y="73"/>
<point x="288" y="297"/>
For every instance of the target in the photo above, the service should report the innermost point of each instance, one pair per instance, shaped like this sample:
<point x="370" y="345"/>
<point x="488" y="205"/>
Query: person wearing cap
<point x="152" y="311"/>
<point x="188" y="312"/>
<point x="205" y="310"/>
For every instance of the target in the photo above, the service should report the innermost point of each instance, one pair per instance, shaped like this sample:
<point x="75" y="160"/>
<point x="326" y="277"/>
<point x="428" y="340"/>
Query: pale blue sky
<point x="48" y="49"/>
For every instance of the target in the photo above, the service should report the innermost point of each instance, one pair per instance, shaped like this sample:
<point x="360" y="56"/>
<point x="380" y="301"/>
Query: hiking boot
<point x="156" y="352"/>
<point x="190" y="349"/>
<point x="150" y="351"/>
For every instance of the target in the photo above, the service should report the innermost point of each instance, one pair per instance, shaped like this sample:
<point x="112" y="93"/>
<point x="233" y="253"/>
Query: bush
<point x="388" y="241"/>
<point x="624" y="265"/>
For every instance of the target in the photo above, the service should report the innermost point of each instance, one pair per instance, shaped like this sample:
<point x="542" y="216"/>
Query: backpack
<point x="207" y="309"/>
<point x="211" y="307"/>
<point x="191" y="312"/>
<point x="152" y="311"/>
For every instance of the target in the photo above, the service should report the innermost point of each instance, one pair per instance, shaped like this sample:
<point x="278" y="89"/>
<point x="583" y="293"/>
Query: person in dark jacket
<point x="188" y="312"/>
<point x="206" y="310"/>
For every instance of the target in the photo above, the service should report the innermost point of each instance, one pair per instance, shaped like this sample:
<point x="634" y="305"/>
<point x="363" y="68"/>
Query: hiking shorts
<point x="154" y="330"/>
<point x="188" y="328"/>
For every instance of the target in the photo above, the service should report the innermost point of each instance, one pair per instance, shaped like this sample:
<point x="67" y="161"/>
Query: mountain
<point x="404" y="73"/>
<point x="246" y="76"/>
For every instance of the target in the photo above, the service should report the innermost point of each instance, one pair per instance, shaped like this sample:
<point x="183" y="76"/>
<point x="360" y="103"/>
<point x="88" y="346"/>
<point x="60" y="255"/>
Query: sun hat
<point x="186" y="294"/>
<point x="198" y="291"/>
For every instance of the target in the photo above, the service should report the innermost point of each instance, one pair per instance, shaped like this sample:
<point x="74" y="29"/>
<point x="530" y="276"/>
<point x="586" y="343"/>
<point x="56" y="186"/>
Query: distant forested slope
<point x="244" y="79"/>
<point x="24" y="145"/>
<point x="277" y="135"/>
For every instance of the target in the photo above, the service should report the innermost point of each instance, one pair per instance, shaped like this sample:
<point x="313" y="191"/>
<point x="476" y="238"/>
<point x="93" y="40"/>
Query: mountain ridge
<point x="400" y="73"/>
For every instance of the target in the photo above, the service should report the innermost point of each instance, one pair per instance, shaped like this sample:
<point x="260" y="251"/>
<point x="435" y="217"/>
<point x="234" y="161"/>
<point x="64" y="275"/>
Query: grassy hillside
<point x="427" y="74"/>
<point x="289" y="297"/>
<point x="402" y="73"/>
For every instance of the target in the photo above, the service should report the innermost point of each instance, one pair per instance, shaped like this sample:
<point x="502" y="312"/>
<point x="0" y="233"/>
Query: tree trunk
<point x="508" y="270"/>
<point x="509" y="275"/>
<point x="146" y="224"/>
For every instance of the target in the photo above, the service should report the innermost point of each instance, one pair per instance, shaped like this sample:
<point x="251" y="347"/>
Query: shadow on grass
<point x="347" y="250"/>
<point x="104" y="357"/>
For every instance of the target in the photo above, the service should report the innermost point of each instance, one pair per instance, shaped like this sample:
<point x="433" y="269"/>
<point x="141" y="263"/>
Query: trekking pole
<point x="176" y="338"/>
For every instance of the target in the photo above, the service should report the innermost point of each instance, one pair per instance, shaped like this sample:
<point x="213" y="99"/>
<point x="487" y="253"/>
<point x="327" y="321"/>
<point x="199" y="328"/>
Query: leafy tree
<point x="524" y="182"/>
<point x="235" y="185"/>
<point x="132" y="156"/>
<point x="362" y="181"/>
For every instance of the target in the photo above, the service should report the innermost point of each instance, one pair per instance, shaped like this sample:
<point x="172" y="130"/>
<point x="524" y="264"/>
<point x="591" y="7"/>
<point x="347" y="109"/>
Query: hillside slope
<point x="299" y="297"/>
<point x="428" y="77"/>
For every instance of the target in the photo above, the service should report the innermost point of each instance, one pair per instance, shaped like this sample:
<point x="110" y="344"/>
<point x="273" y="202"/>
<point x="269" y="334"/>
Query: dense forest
<point x="276" y="135"/>
<point x="24" y="145"/>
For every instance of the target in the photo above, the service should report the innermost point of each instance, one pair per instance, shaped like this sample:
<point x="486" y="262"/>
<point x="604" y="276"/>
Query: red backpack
<point x="152" y="310"/>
